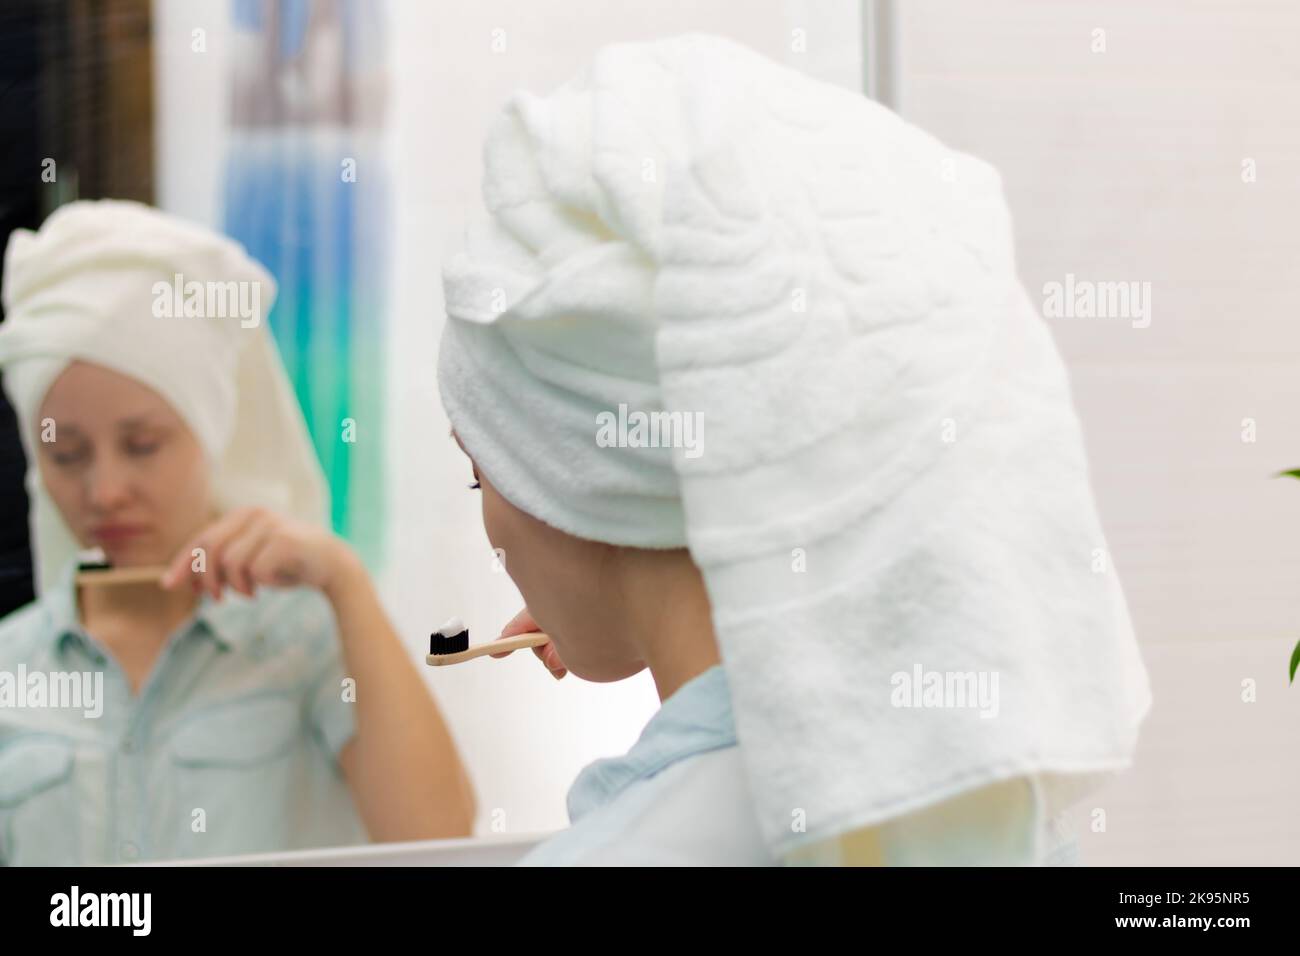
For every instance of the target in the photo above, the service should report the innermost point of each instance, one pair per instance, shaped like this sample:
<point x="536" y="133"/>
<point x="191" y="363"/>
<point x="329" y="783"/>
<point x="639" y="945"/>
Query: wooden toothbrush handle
<point x="518" y="642"/>
<point x="135" y="575"/>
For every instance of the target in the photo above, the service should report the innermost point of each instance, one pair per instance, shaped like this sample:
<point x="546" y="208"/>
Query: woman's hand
<point x="251" y="547"/>
<point x="523" y="623"/>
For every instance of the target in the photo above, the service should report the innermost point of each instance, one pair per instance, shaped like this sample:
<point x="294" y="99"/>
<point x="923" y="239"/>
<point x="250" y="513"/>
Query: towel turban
<point x="108" y="282"/>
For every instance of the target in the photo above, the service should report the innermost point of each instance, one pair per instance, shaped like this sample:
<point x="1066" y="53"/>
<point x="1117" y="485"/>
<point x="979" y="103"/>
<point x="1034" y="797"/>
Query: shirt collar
<point x="695" y="719"/>
<point x="229" y="621"/>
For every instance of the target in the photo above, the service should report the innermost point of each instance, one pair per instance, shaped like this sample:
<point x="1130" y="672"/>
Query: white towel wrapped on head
<point x="97" y="283"/>
<point x="891" y="480"/>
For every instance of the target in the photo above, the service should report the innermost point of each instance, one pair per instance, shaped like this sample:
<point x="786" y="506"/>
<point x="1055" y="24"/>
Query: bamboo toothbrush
<point x="450" y="644"/>
<point x="97" y="572"/>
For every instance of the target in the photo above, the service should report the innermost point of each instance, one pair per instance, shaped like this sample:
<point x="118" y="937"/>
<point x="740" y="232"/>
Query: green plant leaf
<point x="1293" y="473"/>
<point x="1295" y="659"/>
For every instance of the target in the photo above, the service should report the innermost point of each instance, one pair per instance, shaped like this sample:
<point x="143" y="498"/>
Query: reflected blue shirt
<point x="231" y="745"/>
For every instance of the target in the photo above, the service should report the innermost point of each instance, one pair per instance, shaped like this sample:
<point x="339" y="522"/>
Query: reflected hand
<point x="251" y="547"/>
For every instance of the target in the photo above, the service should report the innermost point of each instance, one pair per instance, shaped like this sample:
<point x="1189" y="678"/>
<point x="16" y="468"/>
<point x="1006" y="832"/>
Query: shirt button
<point x="128" y="746"/>
<point x="130" y="851"/>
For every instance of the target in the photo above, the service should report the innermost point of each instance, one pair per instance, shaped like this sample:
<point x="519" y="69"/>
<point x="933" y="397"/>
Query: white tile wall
<point x="1127" y="165"/>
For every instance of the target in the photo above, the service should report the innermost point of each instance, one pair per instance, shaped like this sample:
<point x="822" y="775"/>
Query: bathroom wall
<point x="1134" y="162"/>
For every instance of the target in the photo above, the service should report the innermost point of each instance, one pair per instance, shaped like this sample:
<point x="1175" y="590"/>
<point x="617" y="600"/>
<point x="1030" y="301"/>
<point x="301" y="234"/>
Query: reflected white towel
<point x="92" y="284"/>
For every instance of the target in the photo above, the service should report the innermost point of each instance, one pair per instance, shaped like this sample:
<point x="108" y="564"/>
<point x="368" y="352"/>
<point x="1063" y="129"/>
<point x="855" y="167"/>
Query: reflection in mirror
<point x="207" y="686"/>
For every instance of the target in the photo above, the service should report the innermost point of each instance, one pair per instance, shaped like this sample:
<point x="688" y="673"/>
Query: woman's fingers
<point x="545" y="653"/>
<point x="176" y="571"/>
<point x="521" y="623"/>
<point x="214" y="543"/>
<point x="209" y="543"/>
<point x="239" y="553"/>
<point x="549" y="656"/>
<point x="278" y="564"/>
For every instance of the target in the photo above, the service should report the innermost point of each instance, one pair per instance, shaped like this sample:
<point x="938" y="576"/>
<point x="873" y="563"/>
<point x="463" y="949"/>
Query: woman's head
<point x="600" y="603"/>
<point x="131" y="309"/>
<point x="123" y="468"/>
<point x="828" y="304"/>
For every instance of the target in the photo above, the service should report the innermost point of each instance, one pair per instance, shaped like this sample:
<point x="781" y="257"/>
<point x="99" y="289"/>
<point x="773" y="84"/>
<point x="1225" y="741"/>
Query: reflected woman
<point x="255" y="696"/>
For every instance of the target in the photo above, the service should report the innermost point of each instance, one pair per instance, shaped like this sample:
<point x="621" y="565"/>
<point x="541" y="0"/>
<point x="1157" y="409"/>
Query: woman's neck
<point x="133" y="622"/>
<point x="144" y="603"/>
<point x="676" y="638"/>
<point x="673" y="666"/>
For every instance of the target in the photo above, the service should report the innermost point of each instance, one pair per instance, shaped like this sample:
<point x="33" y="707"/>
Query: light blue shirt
<point x="680" y="797"/>
<point x="230" y="747"/>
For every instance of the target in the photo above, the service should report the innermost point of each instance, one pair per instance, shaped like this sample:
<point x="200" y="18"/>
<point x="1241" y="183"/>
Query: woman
<point x="755" y="401"/>
<point x="254" y="699"/>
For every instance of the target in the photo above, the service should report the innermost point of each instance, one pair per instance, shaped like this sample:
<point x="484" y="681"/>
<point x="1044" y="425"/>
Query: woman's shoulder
<point x="306" y="605"/>
<point x="286" y="617"/>
<point x="22" y="629"/>
<point x="696" y="812"/>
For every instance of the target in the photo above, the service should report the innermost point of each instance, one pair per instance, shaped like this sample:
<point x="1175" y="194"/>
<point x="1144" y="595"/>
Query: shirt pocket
<point x="245" y="733"/>
<point x="38" y="804"/>
<point x="233" y="769"/>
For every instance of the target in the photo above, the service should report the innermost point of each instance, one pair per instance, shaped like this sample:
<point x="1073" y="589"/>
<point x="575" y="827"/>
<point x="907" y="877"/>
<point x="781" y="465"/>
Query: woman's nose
<point x="107" y="484"/>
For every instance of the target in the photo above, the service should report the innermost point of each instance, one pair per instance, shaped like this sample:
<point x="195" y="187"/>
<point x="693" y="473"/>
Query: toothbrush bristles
<point x="443" y="643"/>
